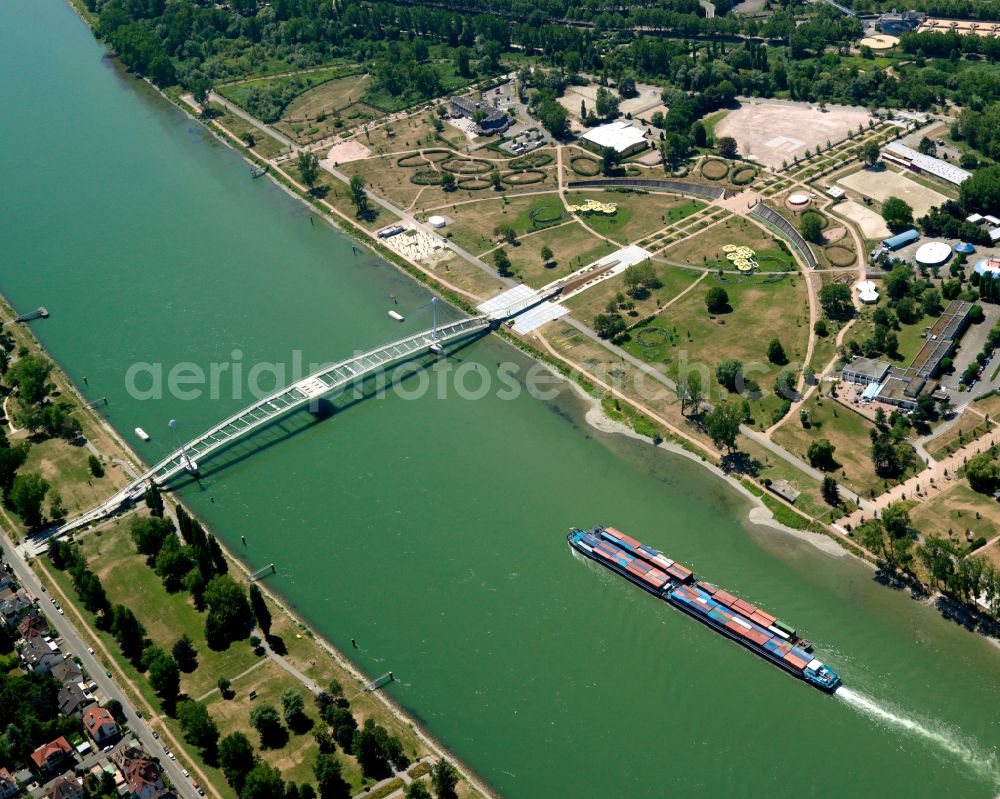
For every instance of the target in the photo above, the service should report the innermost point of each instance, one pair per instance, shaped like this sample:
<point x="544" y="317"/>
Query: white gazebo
<point x="867" y="291"/>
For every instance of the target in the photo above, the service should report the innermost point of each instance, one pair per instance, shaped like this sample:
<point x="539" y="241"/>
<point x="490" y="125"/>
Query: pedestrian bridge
<point x="299" y="394"/>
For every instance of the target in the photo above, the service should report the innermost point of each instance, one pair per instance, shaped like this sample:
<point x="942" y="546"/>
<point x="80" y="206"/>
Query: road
<point x="73" y="642"/>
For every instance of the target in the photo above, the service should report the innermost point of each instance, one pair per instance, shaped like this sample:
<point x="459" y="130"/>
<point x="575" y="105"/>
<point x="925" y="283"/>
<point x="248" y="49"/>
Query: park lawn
<point x="265" y="146"/>
<point x="64" y="465"/>
<point x="673" y="280"/>
<point x="166" y="617"/>
<point x="969" y="426"/>
<point x="712" y="120"/>
<point x="414" y="132"/>
<point x="846" y="430"/>
<point x="329" y="97"/>
<point x="705" y="249"/>
<point x="302" y="82"/>
<point x="456" y="270"/>
<point x="762" y="309"/>
<point x="338" y="194"/>
<point x="637" y="216"/>
<point x="954" y="511"/>
<point x="473" y="222"/>
<point x="572" y="248"/>
<point x="911" y="338"/>
<point x="385" y="178"/>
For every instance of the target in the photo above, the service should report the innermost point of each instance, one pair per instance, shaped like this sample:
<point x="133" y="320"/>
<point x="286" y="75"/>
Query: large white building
<point x="619" y="136"/>
<point x="908" y="157"/>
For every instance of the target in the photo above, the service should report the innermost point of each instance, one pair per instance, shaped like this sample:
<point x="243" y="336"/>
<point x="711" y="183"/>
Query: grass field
<point x="761" y="310"/>
<point x="846" y="430"/>
<point x="593" y="301"/>
<point x="637" y="215"/>
<point x="328" y="98"/>
<point x="473" y="223"/>
<point x="956" y="510"/>
<point x="264" y="145"/>
<point x="572" y="248"/>
<point x="705" y="249"/>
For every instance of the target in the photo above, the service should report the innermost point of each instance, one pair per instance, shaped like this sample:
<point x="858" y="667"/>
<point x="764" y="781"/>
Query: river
<point x="432" y="529"/>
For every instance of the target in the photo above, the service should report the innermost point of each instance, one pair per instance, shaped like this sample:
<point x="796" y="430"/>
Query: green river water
<point x="432" y="530"/>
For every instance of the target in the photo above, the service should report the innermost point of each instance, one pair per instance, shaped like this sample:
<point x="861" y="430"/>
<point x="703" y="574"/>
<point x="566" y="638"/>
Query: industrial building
<point x="918" y="162"/>
<point x="894" y="23"/>
<point x="490" y="120"/>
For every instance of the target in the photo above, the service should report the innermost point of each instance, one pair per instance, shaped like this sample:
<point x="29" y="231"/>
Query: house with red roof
<point x="53" y="756"/>
<point x="63" y="788"/>
<point x="100" y="724"/>
<point x="8" y="785"/>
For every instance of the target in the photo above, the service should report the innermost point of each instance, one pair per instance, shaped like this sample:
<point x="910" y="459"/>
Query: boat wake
<point x="982" y="763"/>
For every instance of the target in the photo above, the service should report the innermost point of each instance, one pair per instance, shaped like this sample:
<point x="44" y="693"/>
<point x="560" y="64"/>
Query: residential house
<point x="100" y="724"/>
<point x="32" y="625"/>
<point x="68" y="673"/>
<point x="8" y="785"/>
<point x="142" y="775"/>
<point x="40" y="656"/>
<point x="73" y="700"/>
<point x="14" y="605"/>
<point x="53" y="756"/>
<point x="63" y="788"/>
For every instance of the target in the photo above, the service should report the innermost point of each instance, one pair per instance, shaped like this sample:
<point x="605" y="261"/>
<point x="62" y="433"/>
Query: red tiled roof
<point x="42" y="754"/>
<point x="96" y="717"/>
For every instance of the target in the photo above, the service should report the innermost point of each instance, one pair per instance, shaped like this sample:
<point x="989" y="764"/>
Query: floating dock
<point x="39" y="313"/>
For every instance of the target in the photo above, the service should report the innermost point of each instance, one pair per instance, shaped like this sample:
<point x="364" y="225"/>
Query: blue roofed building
<point x="901" y="239"/>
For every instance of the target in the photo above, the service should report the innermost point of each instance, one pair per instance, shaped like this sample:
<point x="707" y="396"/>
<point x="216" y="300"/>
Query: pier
<point x="262" y="571"/>
<point x="39" y="313"/>
<point x="378" y="682"/>
<point x="258" y="171"/>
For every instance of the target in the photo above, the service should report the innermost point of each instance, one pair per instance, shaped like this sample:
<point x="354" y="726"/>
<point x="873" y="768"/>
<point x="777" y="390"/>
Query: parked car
<point x="184" y="771"/>
<point x="90" y="649"/>
<point x="155" y="735"/>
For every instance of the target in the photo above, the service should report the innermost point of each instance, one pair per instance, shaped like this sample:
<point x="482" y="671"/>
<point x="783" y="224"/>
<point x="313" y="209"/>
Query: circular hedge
<point x="714" y="169"/>
<point x="652" y="337"/>
<point x="531" y="160"/>
<point x="743" y="175"/>
<point x="466" y="166"/>
<point x="840" y="256"/>
<point x="584" y="165"/>
<point x="436" y="156"/>
<point x="411" y="161"/>
<point x="824" y="223"/>
<point x="426" y="177"/>
<point x="523" y="178"/>
<point x="547" y="214"/>
<point x="680" y="172"/>
<point x="473" y="183"/>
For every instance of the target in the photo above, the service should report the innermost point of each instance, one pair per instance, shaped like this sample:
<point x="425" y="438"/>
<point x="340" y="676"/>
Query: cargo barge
<point x="758" y="631"/>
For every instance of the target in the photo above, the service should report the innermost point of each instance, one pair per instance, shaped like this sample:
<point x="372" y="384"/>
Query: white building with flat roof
<point x="619" y="136"/>
<point x="907" y="156"/>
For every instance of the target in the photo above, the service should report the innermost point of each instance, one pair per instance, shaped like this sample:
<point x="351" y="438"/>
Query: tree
<point x="96" y="469"/>
<point x="225" y="686"/>
<point x="444" y="778"/>
<point x="981" y="192"/>
<point x="723" y="424"/>
<point x="727" y="147"/>
<point x="729" y="373"/>
<point x="606" y="104"/>
<point x="368" y="748"/>
<point x="502" y="262"/>
<point x="359" y="196"/>
<point x="639" y="279"/>
<point x="609" y="325"/>
<point x="831" y="494"/>
<point x="776" y="353"/>
<point x="56" y="508"/>
<point x="199" y="728"/>
<point x="294" y="710"/>
<point x="448" y="182"/>
<point x="554" y="118"/>
<point x="267" y="722"/>
<point x="343" y="724"/>
<point x="897" y="213"/>
<point x="263" y="782"/>
<point x="229" y="616"/>
<point x="717" y="300"/>
<point x="164" y="675"/>
<point x="610" y="160"/>
<point x="812" y="228"/>
<point x="308" y="165"/>
<point x="260" y="610"/>
<point x="128" y="632"/>
<point x="185" y="654"/>
<point x="154" y="501"/>
<point x="30" y="376"/>
<point x="11" y="459"/>
<point x="870" y="153"/>
<point x="690" y="391"/>
<point x="983" y="473"/>
<point x="417" y="790"/>
<point x="546" y="254"/>
<point x="506" y="232"/>
<point x="148" y="534"/>
<point x="27" y="492"/>
<point x="820" y="454"/>
<point x="836" y="301"/>
<point x="329" y="778"/>
<point x="236" y="759"/>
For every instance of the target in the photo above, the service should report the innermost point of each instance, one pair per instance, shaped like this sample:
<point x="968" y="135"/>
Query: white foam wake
<point x="984" y="764"/>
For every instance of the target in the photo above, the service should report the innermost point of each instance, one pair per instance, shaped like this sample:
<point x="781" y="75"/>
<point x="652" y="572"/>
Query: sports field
<point x="774" y="131"/>
<point x="881" y="184"/>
